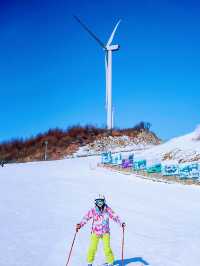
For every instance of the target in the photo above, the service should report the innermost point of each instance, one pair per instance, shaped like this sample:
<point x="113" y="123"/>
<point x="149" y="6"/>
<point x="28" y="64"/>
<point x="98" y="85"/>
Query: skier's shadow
<point x="127" y="261"/>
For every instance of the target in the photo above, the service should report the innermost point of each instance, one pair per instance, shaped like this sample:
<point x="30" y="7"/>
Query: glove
<point x="123" y="225"/>
<point x="78" y="226"/>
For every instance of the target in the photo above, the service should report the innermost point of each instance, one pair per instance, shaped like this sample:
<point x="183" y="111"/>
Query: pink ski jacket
<point x="100" y="224"/>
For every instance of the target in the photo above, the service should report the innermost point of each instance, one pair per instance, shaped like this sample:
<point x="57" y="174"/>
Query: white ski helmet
<point x="100" y="200"/>
<point x="100" y="197"/>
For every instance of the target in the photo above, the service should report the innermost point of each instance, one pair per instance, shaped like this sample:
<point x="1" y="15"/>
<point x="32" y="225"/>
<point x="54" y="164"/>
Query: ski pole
<point x="71" y="248"/>
<point x="123" y="246"/>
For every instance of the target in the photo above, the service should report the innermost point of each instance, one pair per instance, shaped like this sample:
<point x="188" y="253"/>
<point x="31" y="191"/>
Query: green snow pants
<point x="106" y="246"/>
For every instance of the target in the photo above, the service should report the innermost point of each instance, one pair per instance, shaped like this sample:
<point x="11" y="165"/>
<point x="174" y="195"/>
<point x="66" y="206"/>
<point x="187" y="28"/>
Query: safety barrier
<point x="190" y="170"/>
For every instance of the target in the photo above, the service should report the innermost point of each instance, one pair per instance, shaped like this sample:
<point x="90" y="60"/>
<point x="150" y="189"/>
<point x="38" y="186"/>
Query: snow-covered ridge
<point x="181" y="149"/>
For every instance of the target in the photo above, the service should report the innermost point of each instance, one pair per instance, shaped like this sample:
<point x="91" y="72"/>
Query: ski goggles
<point x="99" y="202"/>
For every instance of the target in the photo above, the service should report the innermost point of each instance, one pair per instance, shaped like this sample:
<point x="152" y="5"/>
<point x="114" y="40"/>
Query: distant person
<point x="100" y="229"/>
<point x="2" y="163"/>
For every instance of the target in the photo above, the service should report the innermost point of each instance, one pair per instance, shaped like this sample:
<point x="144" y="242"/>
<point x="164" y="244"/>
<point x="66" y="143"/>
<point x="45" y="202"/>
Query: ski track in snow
<point x="41" y="202"/>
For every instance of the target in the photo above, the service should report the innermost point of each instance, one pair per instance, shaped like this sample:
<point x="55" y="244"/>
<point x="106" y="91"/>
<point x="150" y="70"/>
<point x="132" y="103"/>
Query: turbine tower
<point x="108" y="48"/>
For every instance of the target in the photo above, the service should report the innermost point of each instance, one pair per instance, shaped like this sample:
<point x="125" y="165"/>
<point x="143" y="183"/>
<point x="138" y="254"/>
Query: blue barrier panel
<point x="170" y="169"/>
<point x="189" y="170"/>
<point x="140" y="165"/>
<point x="116" y="159"/>
<point x="131" y="158"/>
<point x="106" y="157"/>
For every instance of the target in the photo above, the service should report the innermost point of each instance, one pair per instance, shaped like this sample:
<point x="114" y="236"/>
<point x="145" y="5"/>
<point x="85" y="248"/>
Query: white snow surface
<point x="86" y="151"/>
<point x="41" y="202"/>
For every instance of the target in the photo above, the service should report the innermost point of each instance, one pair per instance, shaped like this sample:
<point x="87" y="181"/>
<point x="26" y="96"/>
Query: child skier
<point x="100" y="229"/>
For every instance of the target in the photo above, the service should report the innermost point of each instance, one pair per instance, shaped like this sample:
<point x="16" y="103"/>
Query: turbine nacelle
<point x="113" y="47"/>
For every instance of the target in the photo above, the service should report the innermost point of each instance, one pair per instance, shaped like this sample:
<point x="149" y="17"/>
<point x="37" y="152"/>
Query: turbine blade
<point x="112" y="34"/>
<point x="89" y="31"/>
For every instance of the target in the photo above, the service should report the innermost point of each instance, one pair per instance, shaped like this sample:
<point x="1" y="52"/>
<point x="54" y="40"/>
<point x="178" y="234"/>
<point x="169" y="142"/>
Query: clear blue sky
<point x="52" y="72"/>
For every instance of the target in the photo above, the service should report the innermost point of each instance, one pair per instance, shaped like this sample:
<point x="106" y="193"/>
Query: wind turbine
<point x="108" y="48"/>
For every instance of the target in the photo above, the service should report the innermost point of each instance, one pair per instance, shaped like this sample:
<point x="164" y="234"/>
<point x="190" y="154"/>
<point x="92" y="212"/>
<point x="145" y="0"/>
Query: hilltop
<point x="64" y="143"/>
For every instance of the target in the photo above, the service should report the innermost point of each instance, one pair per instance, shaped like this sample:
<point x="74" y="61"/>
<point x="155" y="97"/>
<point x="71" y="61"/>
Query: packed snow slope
<point x="40" y="203"/>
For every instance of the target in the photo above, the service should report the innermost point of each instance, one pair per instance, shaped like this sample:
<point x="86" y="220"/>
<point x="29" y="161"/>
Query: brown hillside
<point x="62" y="143"/>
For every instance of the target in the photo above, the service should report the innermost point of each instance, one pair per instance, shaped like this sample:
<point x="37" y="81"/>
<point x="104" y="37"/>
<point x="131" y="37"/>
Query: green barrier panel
<point x="154" y="168"/>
